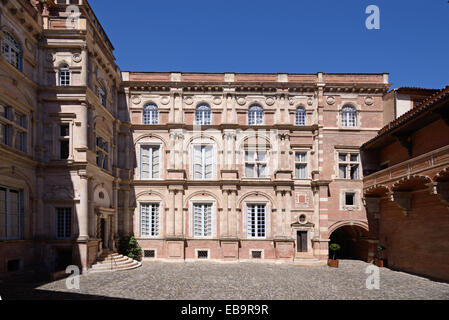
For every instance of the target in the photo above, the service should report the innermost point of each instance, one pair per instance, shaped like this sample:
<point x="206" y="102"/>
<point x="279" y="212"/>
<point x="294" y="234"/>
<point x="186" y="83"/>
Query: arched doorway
<point x="353" y="241"/>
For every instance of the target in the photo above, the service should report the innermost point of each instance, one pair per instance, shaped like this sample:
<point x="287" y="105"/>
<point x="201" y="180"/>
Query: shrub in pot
<point x="379" y="261"/>
<point x="130" y="248"/>
<point x="334" y="247"/>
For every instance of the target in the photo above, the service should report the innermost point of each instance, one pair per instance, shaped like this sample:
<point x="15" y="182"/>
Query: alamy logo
<point x="72" y="21"/>
<point x="373" y="20"/>
<point x="73" y="281"/>
<point x="373" y="280"/>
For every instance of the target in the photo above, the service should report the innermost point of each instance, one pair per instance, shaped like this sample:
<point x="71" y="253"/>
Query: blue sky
<point x="294" y="36"/>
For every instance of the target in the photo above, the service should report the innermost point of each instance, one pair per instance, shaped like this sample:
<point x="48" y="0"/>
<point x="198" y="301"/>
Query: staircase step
<point x="129" y="266"/>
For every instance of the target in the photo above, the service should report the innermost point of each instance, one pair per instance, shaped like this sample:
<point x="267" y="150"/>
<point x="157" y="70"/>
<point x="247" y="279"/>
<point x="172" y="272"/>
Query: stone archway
<point x="354" y="242"/>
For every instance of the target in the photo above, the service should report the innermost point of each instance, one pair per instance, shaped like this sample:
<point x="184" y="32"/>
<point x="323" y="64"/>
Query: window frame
<point x="64" y="76"/>
<point x="203" y="146"/>
<point x="62" y="139"/>
<point x="205" y="111"/>
<point x="105" y="153"/>
<point x="152" y="220"/>
<point x="347" y="117"/>
<point x="265" y="225"/>
<point x="348" y="163"/>
<point x="256" y="163"/>
<point x="305" y="162"/>
<point x="256" y="113"/>
<point x="150" y="165"/>
<point x="304" y="114"/>
<point x="150" y="111"/>
<point x="66" y="236"/>
<point x="213" y="220"/>
<point x="102" y="95"/>
<point x="20" y="213"/>
<point x="13" y="46"/>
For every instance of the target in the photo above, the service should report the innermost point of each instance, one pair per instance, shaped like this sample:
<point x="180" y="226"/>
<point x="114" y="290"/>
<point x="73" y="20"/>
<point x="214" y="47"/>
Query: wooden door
<point x="302" y="242"/>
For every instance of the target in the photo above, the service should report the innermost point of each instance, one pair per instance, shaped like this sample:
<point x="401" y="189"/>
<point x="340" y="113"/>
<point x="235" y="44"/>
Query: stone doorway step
<point x="308" y="260"/>
<point x="109" y="262"/>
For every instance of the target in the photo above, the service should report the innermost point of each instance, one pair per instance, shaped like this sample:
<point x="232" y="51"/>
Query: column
<point x="83" y="212"/>
<point x="170" y="221"/>
<point x="233" y="223"/>
<point x="287" y="214"/>
<point x="179" y="221"/>
<point x="126" y="214"/>
<point x="224" y="221"/>
<point x="279" y="214"/>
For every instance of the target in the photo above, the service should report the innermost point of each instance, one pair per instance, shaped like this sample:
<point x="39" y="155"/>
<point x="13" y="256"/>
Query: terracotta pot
<point x="380" y="263"/>
<point x="333" y="263"/>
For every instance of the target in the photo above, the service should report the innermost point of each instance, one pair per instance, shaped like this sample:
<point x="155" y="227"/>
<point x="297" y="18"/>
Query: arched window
<point x="101" y="95"/>
<point x="300" y="116"/>
<point x="64" y="75"/>
<point x="203" y="115"/>
<point x="255" y="115"/>
<point x="349" y="116"/>
<point x="150" y="114"/>
<point x="11" y="50"/>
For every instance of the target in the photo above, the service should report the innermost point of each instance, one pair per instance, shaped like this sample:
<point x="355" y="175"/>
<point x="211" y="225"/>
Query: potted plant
<point x="379" y="261"/>
<point x="334" y="247"/>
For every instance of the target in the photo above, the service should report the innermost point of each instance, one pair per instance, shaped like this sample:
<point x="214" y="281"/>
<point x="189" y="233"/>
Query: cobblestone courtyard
<point x="205" y="281"/>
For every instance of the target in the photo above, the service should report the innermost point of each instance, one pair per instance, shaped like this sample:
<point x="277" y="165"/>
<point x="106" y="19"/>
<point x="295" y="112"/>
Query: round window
<point x="302" y="218"/>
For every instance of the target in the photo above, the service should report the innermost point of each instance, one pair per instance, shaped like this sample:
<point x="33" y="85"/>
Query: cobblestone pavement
<point x="252" y="281"/>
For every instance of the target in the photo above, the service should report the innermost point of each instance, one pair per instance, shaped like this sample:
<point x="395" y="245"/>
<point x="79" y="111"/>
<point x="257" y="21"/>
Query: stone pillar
<point x="224" y="221"/>
<point x="179" y="218"/>
<point x="287" y="214"/>
<point x="233" y="223"/>
<point x="83" y="212"/>
<point x="170" y="221"/>
<point x="279" y="213"/>
<point x="83" y="134"/>
<point x="172" y="162"/>
<point x="126" y="215"/>
<point x="85" y="66"/>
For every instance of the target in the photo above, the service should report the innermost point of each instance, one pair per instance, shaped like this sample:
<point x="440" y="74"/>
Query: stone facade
<point x="91" y="154"/>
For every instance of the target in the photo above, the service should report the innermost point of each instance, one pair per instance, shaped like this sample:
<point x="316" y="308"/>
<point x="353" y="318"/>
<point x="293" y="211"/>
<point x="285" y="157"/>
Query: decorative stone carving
<point x="136" y="99"/>
<point x="77" y="58"/>
<point x="330" y="101"/>
<point x="369" y="101"/>
<point x="310" y="102"/>
<point x="291" y="101"/>
<point x="403" y="200"/>
<point x="165" y="100"/>
<point x="270" y="101"/>
<point x="217" y="101"/>
<point x="189" y="101"/>
<point x="241" y="101"/>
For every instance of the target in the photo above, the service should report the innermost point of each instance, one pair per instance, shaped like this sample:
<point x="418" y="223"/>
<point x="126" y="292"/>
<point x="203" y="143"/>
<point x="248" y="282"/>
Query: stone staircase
<point x="308" y="261"/>
<point x="110" y="261"/>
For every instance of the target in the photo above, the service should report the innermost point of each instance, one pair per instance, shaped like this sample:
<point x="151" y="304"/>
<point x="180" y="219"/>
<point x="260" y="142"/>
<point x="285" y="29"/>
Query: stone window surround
<point x="358" y="110"/>
<point x="348" y="150"/>
<point x="357" y="200"/>
<point x="214" y="219"/>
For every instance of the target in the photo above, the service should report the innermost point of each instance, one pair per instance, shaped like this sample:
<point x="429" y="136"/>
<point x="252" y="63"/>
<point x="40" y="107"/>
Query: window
<point x="21" y="134"/>
<point x="11" y="211"/>
<point x="203" y="115"/>
<point x="256" y="221"/>
<point x="202" y="220"/>
<point x="202" y="254"/>
<point x="203" y="161"/>
<point x="102" y="153"/>
<point x="349" y="117"/>
<point x="349" y="166"/>
<point x="150" y="114"/>
<point x="350" y="199"/>
<point x="149" y="162"/>
<point x="101" y="92"/>
<point x="300" y="116"/>
<point x="64" y="141"/>
<point x="256" y="164"/>
<point x="5" y="128"/>
<point x="11" y="50"/>
<point x="64" y="75"/>
<point x="64" y="223"/>
<point x="149" y="220"/>
<point x="255" y="115"/>
<point x="301" y="165"/>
